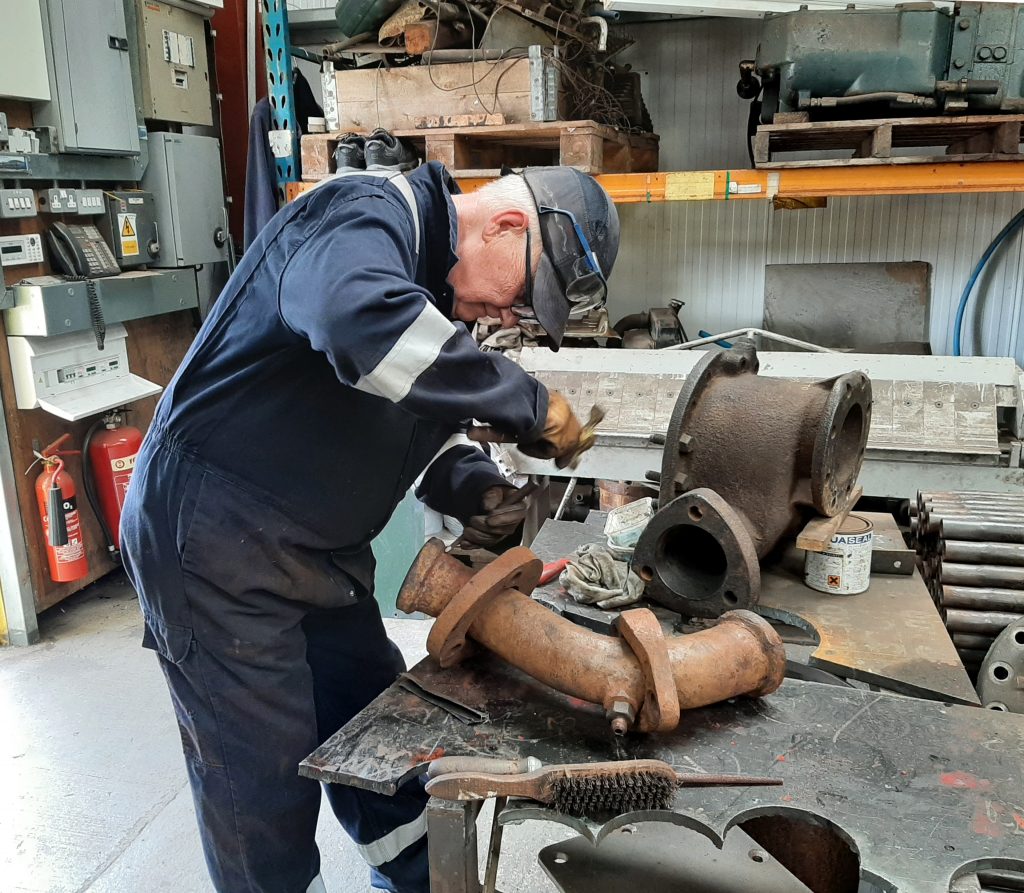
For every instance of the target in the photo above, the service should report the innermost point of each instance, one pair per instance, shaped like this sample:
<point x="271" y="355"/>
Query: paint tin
<point x="845" y="567"/>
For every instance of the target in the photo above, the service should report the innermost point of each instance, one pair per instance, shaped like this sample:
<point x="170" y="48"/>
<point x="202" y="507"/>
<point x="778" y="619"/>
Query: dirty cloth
<point x="594" y="577"/>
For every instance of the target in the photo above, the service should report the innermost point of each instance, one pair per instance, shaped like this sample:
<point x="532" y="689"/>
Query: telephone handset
<point x="79" y="250"/>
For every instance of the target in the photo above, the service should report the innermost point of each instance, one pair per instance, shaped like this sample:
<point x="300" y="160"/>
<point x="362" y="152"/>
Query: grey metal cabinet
<point x="92" y="103"/>
<point x="184" y="175"/>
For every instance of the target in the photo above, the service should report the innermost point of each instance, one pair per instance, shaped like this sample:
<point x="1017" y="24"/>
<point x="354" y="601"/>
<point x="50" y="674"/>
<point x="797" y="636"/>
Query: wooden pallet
<point x="968" y="138"/>
<point x="482" y="150"/>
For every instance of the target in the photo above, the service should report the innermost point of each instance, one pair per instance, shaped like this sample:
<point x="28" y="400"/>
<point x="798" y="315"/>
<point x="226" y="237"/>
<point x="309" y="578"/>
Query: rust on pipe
<point x="741" y="655"/>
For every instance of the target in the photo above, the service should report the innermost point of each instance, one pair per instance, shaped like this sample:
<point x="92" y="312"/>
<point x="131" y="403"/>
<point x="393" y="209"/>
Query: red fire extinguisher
<point x="58" y="511"/>
<point x="110" y="455"/>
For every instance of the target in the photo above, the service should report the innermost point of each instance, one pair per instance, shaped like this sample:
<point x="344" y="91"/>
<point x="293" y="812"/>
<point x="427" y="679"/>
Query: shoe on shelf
<point x="350" y="153"/>
<point x="385" y="152"/>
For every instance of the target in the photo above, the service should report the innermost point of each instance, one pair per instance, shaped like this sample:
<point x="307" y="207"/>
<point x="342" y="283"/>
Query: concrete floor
<point x="93" y="792"/>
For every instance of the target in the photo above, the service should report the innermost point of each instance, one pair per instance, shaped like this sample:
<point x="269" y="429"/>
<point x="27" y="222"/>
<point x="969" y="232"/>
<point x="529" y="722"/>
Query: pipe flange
<point x="1001" y="677"/>
<point x="697" y="557"/>
<point x="839" y="446"/>
<point x="518" y="568"/>
<point x="642" y="632"/>
<point x="738" y="360"/>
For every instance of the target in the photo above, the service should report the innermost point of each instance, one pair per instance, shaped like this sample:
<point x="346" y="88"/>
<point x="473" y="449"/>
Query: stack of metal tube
<point x="970" y="547"/>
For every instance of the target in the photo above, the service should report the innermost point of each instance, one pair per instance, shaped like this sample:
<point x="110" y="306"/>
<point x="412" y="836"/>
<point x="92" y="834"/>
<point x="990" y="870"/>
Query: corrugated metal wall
<point x="712" y="254"/>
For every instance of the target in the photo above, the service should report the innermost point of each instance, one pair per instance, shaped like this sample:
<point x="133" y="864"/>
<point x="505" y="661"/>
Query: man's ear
<point x="512" y="220"/>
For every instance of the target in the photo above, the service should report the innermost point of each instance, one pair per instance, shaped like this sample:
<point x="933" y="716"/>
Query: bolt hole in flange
<point x="1018" y="637"/>
<point x="758" y="856"/>
<point x="561" y="858"/>
<point x="1001" y="672"/>
<point x="646" y="574"/>
<point x="695" y="513"/>
<point x="730" y="598"/>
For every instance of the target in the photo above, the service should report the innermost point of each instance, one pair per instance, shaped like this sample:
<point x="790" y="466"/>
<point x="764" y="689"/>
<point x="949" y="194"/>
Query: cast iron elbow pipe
<point x="741" y="655"/>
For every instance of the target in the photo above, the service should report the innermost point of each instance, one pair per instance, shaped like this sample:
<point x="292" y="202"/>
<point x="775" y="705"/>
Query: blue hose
<point x="961" y="309"/>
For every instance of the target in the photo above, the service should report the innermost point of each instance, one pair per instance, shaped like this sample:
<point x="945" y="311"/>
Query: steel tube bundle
<point x="971" y="554"/>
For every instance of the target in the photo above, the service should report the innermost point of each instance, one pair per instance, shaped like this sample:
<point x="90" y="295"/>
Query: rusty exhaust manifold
<point x="752" y="457"/>
<point x="641" y="678"/>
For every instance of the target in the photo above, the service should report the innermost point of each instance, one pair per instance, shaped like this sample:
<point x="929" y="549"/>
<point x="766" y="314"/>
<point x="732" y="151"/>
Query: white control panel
<point x="23" y="249"/>
<point x="68" y="376"/>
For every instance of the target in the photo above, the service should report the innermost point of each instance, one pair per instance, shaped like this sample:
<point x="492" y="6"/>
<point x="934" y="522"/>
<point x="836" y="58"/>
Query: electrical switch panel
<point x="90" y="201"/>
<point x="17" y="203"/>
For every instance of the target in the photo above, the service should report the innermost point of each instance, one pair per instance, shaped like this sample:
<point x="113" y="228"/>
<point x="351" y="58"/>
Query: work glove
<point x="502" y="510"/>
<point x="560" y="439"/>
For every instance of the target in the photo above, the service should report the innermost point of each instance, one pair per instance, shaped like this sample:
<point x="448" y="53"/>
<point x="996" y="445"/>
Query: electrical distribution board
<point x="174" y="65"/>
<point x="70" y="377"/>
<point x="89" y="47"/>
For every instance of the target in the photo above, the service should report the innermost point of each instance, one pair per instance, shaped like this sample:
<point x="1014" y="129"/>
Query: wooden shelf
<point x="799" y="183"/>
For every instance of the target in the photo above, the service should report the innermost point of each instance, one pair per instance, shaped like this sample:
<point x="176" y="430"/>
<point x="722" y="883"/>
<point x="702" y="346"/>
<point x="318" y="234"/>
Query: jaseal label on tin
<point x="845" y="567"/>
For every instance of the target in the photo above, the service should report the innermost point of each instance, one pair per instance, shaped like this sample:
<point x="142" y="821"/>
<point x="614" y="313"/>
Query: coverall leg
<point x="258" y="679"/>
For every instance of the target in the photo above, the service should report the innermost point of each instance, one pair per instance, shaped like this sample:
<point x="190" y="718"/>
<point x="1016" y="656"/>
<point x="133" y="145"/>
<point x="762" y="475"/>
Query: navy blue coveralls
<point x="324" y="381"/>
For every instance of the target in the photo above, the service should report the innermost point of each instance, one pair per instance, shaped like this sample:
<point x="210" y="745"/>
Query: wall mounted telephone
<point x="79" y="250"/>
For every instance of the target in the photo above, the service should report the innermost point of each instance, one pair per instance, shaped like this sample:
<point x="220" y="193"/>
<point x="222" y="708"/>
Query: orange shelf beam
<point x="804" y="182"/>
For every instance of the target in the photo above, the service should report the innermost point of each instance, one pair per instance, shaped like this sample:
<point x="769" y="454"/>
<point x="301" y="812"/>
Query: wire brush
<point x="574" y="788"/>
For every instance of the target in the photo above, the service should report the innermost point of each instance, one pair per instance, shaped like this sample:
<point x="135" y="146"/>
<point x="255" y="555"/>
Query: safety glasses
<point x="586" y="286"/>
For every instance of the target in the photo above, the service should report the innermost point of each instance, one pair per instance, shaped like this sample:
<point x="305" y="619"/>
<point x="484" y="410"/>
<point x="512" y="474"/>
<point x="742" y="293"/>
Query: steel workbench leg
<point x="451" y="845"/>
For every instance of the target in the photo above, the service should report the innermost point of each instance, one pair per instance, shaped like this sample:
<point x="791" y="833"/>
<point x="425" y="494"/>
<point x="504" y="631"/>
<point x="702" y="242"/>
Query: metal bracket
<point x="544" y="84"/>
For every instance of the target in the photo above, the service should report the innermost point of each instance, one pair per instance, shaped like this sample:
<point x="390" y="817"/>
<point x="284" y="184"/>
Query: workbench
<point x="925" y="792"/>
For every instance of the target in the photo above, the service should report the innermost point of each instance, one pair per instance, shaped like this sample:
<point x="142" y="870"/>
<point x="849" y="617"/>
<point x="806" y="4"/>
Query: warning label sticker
<point x="128" y="234"/>
<point x="121" y="470"/>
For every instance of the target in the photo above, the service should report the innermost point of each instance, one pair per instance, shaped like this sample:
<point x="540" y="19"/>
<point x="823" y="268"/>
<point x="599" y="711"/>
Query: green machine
<point x="912" y="58"/>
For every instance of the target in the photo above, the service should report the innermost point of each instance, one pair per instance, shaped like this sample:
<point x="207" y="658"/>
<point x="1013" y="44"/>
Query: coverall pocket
<point x="244" y="546"/>
<point x="170" y="641"/>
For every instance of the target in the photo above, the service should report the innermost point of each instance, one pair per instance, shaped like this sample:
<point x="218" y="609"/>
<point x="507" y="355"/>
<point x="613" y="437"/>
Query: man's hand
<point x="559" y="441"/>
<point x="502" y="510"/>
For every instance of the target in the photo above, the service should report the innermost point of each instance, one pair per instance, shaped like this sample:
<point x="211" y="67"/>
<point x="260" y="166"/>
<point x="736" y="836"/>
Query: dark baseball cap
<point x="580" y="230"/>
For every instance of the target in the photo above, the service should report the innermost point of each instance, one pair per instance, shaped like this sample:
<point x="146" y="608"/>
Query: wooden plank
<point x="482" y="120"/>
<point x="396" y="98"/>
<point x="818" y="532"/>
<point x="895" y="160"/>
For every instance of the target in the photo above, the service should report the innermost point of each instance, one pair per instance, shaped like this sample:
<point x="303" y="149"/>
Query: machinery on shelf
<point x="873" y="62"/>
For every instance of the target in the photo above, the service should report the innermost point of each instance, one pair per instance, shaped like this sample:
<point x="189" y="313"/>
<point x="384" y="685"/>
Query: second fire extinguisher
<point x="58" y="512"/>
<point x="110" y="460"/>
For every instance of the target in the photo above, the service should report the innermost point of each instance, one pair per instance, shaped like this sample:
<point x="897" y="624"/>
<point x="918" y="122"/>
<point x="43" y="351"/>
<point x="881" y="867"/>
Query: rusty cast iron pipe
<point x="741" y="655"/>
<point x="978" y="598"/>
<point x="982" y="575"/>
<point x="771" y="451"/>
<point x="982" y="553"/>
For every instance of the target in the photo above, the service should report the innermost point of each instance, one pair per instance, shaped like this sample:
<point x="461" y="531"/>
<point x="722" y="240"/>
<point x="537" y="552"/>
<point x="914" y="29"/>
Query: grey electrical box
<point x="92" y="102"/>
<point x="129" y="226"/>
<point x="17" y="203"/>
<point x="184" y="175"/>
<point x="173" y="63"/>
